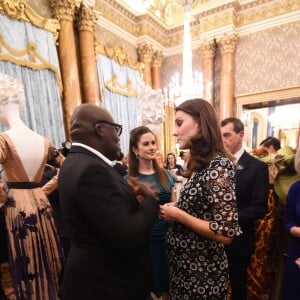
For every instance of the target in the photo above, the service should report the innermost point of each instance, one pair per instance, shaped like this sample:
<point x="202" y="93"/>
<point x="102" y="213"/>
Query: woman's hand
<point x="295" y="231"/>
<point x="141" y="189"/>
<point x="169" y="212"/>
<point x="60" y="159"/>
<point x="297" y="261"/>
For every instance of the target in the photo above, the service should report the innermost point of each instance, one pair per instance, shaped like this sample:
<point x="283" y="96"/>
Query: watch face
<point x="67" y="145"/>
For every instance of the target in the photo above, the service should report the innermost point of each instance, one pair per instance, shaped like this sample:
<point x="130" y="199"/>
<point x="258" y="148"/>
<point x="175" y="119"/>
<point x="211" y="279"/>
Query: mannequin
<point x="28" y="143"/>
<point x="35" y="256"/>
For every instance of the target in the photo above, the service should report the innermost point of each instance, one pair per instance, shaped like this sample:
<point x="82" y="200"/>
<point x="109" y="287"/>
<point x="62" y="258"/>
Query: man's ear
<point x="99" y="129"/>
<point x="242" y="133"/>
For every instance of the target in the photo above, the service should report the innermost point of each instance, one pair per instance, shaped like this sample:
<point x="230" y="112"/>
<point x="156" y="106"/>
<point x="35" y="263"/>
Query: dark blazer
<point x="121" y="169"/>
<point x="252" y="183"/>
<point x="109" y="230"/>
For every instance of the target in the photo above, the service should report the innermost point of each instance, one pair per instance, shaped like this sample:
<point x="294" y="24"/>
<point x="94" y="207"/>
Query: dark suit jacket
<point x="252" y="183"/>
<point x="121" y="169"/>
<point x="109" y="230"/>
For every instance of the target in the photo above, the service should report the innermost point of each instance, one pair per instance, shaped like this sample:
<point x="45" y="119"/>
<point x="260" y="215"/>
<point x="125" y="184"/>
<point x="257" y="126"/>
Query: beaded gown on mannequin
<point x="35" y="256"/>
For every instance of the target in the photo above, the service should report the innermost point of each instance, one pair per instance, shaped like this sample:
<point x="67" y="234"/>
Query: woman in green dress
<point x="144" y="166"/>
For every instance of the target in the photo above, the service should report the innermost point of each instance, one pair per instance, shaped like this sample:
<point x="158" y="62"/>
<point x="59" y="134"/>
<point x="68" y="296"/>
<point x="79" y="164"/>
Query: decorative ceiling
<point x="169" y="12"/>
<point x="160" y="22"/>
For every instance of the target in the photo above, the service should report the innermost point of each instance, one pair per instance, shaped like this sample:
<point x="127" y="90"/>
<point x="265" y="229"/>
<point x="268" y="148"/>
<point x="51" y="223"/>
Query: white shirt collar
<point x="238" y="154"/>
<point x="96" y="152"/>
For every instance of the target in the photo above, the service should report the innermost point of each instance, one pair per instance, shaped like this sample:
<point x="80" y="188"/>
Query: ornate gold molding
<point x="228" y="43"/>
<point x="122" y="89"/>
<point x="254" y="12"/>
<point x="99" y="47"/>
<point x="64" y="9"/>
<point x="35" y="60"/>
<point x="231" y="14"/>
<point x="21" y="11"/>
<point x="119" y="54"/>
<point x="86" y="19"/>
<point x="219" y="20"/>
<point x="117" y="14"/>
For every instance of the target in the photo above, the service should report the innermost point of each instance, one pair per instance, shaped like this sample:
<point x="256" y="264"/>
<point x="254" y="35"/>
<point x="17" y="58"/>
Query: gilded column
<point x="64" y="11"/>
<point x="157" y="60"/>
<point x="207" y="51"/>
<point x="86" y="27"/>
<point x="145" y="53"/>
<point x="169" y="139"/>
<point x="227" y="50"/>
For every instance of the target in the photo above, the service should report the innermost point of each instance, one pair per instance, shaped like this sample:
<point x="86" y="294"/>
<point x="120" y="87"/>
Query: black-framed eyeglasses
<point x="117" y="127"/>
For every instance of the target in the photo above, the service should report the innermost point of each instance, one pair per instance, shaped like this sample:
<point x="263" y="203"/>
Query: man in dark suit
<point x="108" y="222"/>
<point x="120" y="167"/>
<point x="252" y="184"/>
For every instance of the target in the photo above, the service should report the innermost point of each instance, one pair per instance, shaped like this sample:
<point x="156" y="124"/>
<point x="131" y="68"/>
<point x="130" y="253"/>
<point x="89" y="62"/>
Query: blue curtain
<point x="39" y="72"/>
<point x="120" y="87"/>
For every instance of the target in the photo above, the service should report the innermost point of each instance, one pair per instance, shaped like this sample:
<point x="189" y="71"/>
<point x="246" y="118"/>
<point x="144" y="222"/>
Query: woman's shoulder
<point x="295" y="187"/>
<point x="221" y="157"/>
<point x="222" y="160"/>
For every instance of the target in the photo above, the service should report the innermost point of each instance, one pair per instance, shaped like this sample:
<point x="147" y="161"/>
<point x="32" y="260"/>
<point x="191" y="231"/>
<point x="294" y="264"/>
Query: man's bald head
<point x="83" y="119"/>
<point x="86" y="129"/>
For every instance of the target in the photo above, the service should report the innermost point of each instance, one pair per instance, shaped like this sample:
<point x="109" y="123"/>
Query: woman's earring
<point x="136" y="156"/>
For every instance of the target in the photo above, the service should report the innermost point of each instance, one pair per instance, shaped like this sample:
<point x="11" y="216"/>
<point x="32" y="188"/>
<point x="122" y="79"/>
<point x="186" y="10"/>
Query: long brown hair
<point x="208" y="142"/>
<point x="133" y="161"/>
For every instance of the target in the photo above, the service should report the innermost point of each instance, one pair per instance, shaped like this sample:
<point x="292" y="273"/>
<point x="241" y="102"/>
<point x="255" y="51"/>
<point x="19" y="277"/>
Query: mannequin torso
<point x="29" y="145"/>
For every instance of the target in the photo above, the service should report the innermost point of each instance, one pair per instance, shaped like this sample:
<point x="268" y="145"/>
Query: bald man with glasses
<point x="108" y="220"/>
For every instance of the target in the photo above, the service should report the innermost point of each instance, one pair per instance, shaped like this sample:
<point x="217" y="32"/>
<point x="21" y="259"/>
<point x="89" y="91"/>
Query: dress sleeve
<point x="221" y="193"/>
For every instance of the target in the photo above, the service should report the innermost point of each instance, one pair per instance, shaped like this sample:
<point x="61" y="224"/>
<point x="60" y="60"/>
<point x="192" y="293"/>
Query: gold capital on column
<point x="86" y="26"/>
<point x="157" y="60"/>
<point x="228" y="43"/>
<point x="145" y="53"/>
<point x="207" y="51"/>
<point x="87" y="19"/>
<point x="227" y="49"/>
<point x="64" y="11"/>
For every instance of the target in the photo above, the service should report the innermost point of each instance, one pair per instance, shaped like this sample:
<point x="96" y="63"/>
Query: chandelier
<point x="190" y="85"/>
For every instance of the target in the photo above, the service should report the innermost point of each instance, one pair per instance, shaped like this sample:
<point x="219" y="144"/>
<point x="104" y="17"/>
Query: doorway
<point x="270" y="113"/>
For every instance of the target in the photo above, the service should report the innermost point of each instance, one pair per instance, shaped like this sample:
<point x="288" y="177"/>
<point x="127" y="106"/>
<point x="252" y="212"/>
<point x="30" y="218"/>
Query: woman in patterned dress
<point x="205" y="216"/>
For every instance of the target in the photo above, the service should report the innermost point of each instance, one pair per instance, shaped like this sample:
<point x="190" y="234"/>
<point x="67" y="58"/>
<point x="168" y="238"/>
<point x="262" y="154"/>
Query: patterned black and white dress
<point x="198" y="265"/>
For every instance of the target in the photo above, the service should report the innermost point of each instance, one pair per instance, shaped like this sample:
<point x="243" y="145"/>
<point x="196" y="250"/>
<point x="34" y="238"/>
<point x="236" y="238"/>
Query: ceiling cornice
<point x="231" y="17"/>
